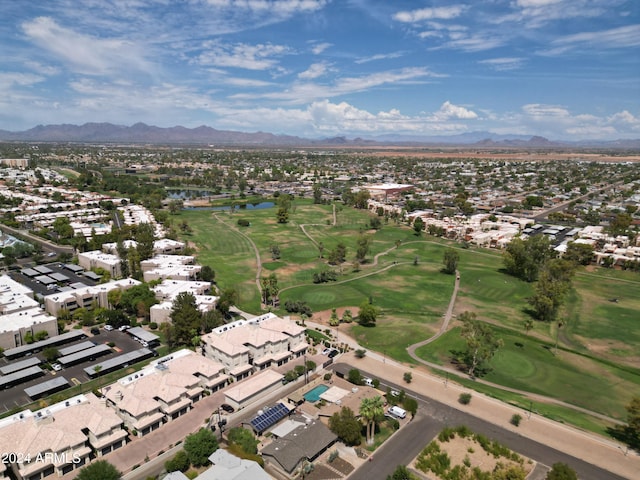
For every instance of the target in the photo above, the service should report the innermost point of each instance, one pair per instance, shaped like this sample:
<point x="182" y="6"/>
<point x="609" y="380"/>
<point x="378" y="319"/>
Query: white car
<point x="394" y="393"/>
<point x="56" y="367"/>
<point x="108" y="328"/>
<point x="123" y="328"/>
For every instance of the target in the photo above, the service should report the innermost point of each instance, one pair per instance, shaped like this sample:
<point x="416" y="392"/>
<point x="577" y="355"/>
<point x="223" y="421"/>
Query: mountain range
<point x="141" y="133"/>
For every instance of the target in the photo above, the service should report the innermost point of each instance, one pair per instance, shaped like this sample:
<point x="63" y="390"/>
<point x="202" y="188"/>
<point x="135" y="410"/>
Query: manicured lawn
<point x="412" y="294"/>
<point x="527" y="364"/>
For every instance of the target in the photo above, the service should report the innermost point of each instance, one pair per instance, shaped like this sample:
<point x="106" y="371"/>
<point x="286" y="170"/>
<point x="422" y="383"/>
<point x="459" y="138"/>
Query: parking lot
<point x="16" y="397"/>
<point x="58" y="270"/>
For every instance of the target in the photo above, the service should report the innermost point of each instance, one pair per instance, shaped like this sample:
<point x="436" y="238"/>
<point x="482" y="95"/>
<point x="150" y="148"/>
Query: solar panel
<point x="270" y="417"/>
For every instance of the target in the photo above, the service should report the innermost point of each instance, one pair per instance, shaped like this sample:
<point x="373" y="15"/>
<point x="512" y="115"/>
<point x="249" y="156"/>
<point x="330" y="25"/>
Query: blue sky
<point x="563" y="69"/>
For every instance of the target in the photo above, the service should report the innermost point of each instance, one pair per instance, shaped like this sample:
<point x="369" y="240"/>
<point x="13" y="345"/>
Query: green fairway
<point x="527" y="364"/>
<point x="406" y="283"/>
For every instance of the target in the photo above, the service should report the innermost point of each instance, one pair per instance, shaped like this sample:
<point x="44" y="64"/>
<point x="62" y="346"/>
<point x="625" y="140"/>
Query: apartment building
<point x="164" y="390"/>
<point x="21" y="315"/>
<point x="85" y="297"/>
<point x="97" y="259"/>
<point x="175" y="267"/>
<point x="248" y="346"/>
<point x="60" y="438"/>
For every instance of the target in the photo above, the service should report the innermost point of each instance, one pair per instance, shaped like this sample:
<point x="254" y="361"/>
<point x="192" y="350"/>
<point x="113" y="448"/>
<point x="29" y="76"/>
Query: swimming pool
<point x="313" y="395"/>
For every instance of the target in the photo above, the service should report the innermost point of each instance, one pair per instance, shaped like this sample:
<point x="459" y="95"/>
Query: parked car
<point x="227" y="408"/>
<point x="333" y="353"/>
<point x="95" y="331"/>
<point x="326" y="351"/>
<point x="56" y="367"/>
<point x="108" y="328"/>
<point x="124" y="328"/>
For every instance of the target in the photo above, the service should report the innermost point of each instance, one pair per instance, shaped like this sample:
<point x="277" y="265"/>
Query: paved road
<point x="433" y="416"/>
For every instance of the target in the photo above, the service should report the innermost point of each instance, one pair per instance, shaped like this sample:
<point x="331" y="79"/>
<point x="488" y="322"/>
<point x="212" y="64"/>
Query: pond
<point x="248" y="206"/>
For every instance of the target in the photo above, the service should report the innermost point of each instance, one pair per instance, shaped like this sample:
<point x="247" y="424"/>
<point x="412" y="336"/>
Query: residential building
<point x="97" y="259"/>
<point x="59" y="438"/>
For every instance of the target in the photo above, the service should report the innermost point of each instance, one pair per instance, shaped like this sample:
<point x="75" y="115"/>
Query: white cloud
<point x="473" y="43"/>
<point x="314" y="71"/>
<point x="449" y="110"/>
<point x="242" y="55"/>
<point x="11" y="79"/>
<point x="558" y="122"/>
<point x="422" y="14"/>
<point x="380" y="56"/>
<point x="536" y="13"/>
<point x="318" y="48"/>
<point x="84" y="53"/>
<point x="504" y="63"/>
<point x="621" y="37"/>
<point x="304" y="92"/>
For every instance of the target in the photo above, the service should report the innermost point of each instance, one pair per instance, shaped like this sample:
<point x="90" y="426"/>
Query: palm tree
<point x="371" y="409"/>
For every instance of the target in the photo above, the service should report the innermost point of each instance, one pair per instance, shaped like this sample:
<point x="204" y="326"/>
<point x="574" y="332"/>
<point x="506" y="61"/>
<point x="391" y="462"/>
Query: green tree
<point x="244" y="438"/>
<point x="368" y="314"/>
<point x="401" y="473"/>
<point x="338" y="255"/>
<point x="361" y="199"/>
<point x="175" y="206"/>
<point x="50" y="354"/>
<point x="481" y="343"/>
<point x="138" y="300"/>
<point x="317" y="194"/>
<point x="270" y="289"/>
<point x="407" y="377"/>
<point x="179" y="462"/>
<point x="99" y="470"/>
<point x="410" y="405"/>
<point x="228" y="298"/>
<point x="145" y="239"/>
<point x="346" y="426"/>
<point x="185" y="317"/>
<point x="199" y="446"/>
<point x="561" y="471"/>
<point x="354" y="376"/>
<point x="579" y="253"/>
<point x="284" y="205"/>
<point x="528" y="326"/>
<point x="450" y="261"/>
<point x="333" y="319"/>
<point x="554" y="283"/>
<point x="371" y="411"/>
<point x="630" y="433"/>
<point x="363" y="246"/>
<point x="620" y="224"/>
<point x="207" y="274"/>
<point x="62" y="227"/>
<point x="523" y="258"/>
<point x="418" y="226"/>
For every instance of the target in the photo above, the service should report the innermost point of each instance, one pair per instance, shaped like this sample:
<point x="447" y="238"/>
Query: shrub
<point x="180" y="462"/>
<point x="243" y="222"/>
<point x="327" y="377"/>
<point x="407" y="377"/>
<point x="360" y="353"/>
<point x="515" y="419"/>
<point x="153" y="326"/>
<point x="464" y="398"/>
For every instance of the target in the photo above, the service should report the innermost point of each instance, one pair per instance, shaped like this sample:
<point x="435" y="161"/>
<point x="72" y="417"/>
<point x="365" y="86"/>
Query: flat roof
<point x="20" y="376"/>
<point x="58" y="339"/>
<point x="253" y="385"/>
<point x="45" y="279"/>
<point x="21" y="365"/>
<point x="59" y="277"/>
<point x="101" y="349"/>
<point x="142" y="334"/>
<point x="75" y="348"/>
<point x="120" y="360"/>
<point x="43" y="269"/>
<point x="29" y="272"/>
<point x="73" y="267"/>
<point x="43" y="388"/>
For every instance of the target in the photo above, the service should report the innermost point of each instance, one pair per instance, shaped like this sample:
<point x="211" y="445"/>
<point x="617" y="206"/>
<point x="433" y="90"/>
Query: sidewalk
<point x="591" y="448"/>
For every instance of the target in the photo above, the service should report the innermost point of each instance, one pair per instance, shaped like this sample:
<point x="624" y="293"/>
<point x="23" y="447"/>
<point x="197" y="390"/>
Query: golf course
<point x="590" y="362"/>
